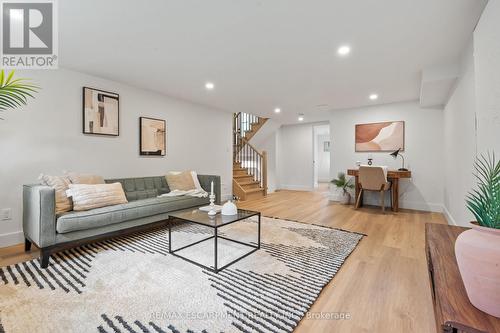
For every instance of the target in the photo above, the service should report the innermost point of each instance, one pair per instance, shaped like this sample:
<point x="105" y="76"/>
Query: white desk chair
<point x="373" y="178"/>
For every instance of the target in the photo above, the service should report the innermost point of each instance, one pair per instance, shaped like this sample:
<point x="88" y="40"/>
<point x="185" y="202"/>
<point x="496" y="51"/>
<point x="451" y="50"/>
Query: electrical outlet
<point x="6" y="214"/>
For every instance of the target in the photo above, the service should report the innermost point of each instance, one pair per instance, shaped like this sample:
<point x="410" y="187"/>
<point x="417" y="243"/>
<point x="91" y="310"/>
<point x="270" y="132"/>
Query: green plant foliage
<point x="484" y="201"/>
<point x="14" y="92"/>
<point x="342" y="182"/>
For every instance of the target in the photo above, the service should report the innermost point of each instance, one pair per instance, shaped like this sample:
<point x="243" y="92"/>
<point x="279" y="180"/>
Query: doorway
<point x="321" y="155"/>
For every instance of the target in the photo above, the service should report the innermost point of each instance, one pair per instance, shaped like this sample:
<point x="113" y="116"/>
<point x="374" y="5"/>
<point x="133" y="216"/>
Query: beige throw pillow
<point x="83" y="178"/>
<point x="60" y="184"/>
<point x="182" y="181"/>
<point x="87" y="197"/>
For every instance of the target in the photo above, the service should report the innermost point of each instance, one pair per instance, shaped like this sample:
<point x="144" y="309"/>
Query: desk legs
<point x="395" y="194"/>
<point x="356" y="192"/>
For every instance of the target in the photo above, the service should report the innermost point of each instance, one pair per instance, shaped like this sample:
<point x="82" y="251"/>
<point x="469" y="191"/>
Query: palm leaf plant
<point x="14" y="92"/>
<point x="484" y="201"/>
<point x="342" y="182"/>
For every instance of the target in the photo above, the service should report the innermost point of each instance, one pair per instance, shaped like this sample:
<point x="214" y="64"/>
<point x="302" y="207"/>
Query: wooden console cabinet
<point x="452" y="308"/>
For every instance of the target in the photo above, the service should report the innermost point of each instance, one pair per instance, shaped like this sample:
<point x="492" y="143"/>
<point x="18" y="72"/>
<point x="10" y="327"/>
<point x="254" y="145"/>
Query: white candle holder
<point x="212" y="211"/>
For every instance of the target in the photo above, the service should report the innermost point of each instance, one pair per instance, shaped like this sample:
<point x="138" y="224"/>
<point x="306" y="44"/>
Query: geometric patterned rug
<point x="131" y="284"/>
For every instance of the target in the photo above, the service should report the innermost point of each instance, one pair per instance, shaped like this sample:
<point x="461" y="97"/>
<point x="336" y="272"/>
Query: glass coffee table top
<point x="200" y="217"/>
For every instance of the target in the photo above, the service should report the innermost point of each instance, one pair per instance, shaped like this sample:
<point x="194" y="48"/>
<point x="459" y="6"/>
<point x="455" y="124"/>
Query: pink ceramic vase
<point x="478" y="256"/>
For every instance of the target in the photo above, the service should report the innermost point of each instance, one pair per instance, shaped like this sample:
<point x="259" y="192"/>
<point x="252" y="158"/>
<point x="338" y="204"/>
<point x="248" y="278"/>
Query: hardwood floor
<point x="383" y="286"/>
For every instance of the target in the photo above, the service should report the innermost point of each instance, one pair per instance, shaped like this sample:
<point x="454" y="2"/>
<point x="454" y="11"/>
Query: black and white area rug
<point x="131" y="284"/>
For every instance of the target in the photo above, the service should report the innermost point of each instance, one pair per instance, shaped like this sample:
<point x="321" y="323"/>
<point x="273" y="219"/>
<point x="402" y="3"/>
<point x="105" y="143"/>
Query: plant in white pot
<point x="344" y="184"/>
<point x="14" y="92"/>
<point x="478" y="249"/>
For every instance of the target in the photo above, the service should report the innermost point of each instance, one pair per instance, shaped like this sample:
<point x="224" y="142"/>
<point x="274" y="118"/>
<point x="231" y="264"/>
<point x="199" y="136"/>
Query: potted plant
<point x="345" y="184"/>
<point x="478" y="249"/>
<point x="14" y="92"/>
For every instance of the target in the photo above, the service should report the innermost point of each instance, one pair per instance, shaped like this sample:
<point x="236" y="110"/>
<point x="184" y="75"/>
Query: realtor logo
<point x="29" y="34"/>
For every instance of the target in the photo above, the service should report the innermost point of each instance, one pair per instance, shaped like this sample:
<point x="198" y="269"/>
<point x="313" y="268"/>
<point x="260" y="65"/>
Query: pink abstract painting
<point x="380" y="137"/>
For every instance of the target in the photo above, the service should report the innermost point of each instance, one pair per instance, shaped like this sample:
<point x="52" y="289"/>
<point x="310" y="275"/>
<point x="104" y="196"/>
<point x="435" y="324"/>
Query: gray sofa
<point x="52" y="233"/>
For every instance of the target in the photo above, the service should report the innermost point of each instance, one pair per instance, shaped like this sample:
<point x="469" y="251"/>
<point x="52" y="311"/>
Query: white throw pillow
<point x="84" y="178"/>
<point x="87" y="197"/>
<point x="196" y="180"/>
<point x="60" y="185"/>
<point x="194" y="175"/>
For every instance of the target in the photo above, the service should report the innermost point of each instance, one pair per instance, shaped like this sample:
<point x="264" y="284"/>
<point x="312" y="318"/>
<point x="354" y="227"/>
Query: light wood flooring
<point x="383" y="286"/>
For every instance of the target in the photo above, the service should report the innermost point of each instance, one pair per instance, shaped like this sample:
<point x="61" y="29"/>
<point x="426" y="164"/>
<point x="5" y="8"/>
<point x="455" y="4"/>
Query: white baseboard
<point x="12" y="238"/>
<point x="423" y="206"/>
<point x="448" y="216"/>
<point x="296" y="188"/>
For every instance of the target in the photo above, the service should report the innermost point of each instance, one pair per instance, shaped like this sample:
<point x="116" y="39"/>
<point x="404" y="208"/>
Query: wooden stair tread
<point x="252" y="190"/>
<point x="249" y="183"/>
<point x="242" y="176"/>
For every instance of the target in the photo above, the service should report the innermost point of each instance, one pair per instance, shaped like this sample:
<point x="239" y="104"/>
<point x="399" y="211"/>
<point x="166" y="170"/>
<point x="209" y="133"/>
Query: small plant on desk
<point x="345" y="184"/>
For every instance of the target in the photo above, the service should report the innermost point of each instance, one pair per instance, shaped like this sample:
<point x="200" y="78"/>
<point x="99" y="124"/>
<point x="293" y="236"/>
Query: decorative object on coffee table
<point x="101" y="112"/>
<point x="153" y="136"/>
<point x="229" y="208"/>
<point x="212" y="211"/>
<point x="478" y="249"/>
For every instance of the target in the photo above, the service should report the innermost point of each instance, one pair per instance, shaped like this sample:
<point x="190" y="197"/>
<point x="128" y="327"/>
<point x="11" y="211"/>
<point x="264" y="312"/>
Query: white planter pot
<point x="345" y="199"/>
<point x="478" y="257"/>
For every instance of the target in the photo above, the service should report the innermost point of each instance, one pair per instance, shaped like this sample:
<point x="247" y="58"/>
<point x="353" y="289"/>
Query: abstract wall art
<point x="101" y="112"/>
<point x="380" y="137"/>
<point x="153" y="136"/>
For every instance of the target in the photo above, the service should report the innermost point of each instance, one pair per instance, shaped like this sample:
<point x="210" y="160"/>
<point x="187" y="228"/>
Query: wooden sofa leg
<point x="44" y="258"/>
<point x="27" y="245"/>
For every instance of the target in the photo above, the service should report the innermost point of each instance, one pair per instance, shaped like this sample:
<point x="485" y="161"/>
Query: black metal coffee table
<point x="194" y="215"/>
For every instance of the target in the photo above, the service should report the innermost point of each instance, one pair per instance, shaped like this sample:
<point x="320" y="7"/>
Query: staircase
<point x="249" y="165"/>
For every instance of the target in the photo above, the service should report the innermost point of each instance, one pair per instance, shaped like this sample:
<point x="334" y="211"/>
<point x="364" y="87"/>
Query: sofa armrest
<point x="205" y="181"/>
<point x="39" y="217"/>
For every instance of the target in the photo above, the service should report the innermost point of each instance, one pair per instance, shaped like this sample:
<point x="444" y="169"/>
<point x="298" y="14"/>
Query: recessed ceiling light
<point x="301" y="117"/>
<point x="209" y="86"/>
<point x="277" y="110"/>
<point x="344" y="50"/>
<point x="373" y="97"/>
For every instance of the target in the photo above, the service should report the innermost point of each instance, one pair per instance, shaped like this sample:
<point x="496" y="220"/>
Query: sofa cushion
<point x="99" y="217"/>
<point x="142" y="188"/>
<point x="60" y="184"/>
<point x="87" y="197"/>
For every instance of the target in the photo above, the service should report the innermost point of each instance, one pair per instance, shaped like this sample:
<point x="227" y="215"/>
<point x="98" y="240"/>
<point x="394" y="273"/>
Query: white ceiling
<point x="267" y="53"/>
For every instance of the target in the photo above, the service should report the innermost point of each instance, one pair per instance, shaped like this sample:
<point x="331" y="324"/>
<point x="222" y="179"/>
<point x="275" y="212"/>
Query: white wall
<point x="487" y="73"/>
<point x="295" y="157"/>
<point x="472" y="114"/>
<point x="460" y="143"/>
<point x="423" y="150"/>
<point x="266" y="139"/>
<point x="46" y="136"/>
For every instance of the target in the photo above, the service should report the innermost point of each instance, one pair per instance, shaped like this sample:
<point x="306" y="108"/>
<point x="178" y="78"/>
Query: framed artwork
<point x="153" y="136"/>
<point x="326" y="146"/>
<point x="101" y="112"/>
<point x="380" y="137"/>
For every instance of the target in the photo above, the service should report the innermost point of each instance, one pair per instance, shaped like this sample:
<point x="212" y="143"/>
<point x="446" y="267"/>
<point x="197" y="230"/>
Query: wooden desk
<point x="393" y="176"/>
<point x="452" y="308"/>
